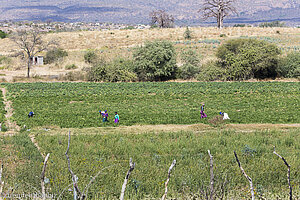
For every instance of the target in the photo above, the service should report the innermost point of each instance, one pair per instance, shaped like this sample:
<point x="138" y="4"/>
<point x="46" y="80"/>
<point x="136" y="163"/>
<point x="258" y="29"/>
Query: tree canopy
<point x="155" y="61"/>
<point x="248" y="58"/>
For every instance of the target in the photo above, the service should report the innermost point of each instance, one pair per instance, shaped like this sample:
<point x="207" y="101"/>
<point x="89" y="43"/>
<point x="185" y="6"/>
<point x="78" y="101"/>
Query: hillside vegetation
<point x="111" y="44"/>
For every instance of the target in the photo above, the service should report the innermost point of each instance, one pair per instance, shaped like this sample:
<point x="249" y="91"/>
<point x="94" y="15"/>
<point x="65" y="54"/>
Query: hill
<point x="137" y="11"/>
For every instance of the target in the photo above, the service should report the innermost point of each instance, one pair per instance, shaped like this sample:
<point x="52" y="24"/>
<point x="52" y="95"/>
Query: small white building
<point x="37" y="60"/>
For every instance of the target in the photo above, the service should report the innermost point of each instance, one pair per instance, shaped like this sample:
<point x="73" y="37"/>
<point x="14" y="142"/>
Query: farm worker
<point x="30" y="114"/>
<point x="101" y="113"/>
<point x="117" y="118"/>
<point x="203" y="115"/>
<point x="225" y="115"/>
<point x="105" y="116"/>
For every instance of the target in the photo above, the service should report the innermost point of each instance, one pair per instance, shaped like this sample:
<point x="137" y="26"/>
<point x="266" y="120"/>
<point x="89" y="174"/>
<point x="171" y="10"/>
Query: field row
<point x="78" y="104"/>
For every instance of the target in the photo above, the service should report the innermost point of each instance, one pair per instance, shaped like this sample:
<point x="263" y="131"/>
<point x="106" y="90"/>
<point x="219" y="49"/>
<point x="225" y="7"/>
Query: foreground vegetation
<point x="153" y="153"/>
<point x="78" y="104"/>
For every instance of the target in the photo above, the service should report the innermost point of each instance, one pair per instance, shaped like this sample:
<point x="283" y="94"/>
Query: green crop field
<point x="153" y="153"/>
<point x="77" y="105"/>
<point x="2" y="110"/>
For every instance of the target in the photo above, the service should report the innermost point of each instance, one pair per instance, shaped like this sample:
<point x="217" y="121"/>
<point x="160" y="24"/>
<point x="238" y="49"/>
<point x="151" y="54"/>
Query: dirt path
<point x="11" y="125"/>
<point x="140" y="129"/>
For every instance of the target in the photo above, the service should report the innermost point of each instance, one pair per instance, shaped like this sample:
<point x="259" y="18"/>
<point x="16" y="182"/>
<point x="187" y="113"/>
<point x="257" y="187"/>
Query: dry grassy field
<point x="119" y="43"/>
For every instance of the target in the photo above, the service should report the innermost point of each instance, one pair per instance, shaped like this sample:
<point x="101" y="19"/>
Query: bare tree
<point x="1" y="182"/>
<point x="168" y="179"/>
<point x="288" y="173"/>
<point x="218" y="9"/>
<point x="43" y="177"/>
<point x="162" y="19"/>
<point x="131" y="168"/>
<point x="211" y="176"/>
<point x="247" y="177"/>
<point x="31" y="43"/>
<point x="77" y="193"/>
<point x="216" y="189"/>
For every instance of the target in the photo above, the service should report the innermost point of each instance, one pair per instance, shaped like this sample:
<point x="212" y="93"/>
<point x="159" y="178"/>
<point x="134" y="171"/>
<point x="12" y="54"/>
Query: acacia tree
<point x="218" y="9"/>
<point x="31" y="43"/>
<point x="162" y="19"/>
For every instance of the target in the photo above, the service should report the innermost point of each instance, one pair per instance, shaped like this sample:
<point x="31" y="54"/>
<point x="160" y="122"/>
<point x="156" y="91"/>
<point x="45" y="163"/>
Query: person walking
<point x="105" y="116"/>
<point x="203" y="115"/>
<point x="117" y="118"/>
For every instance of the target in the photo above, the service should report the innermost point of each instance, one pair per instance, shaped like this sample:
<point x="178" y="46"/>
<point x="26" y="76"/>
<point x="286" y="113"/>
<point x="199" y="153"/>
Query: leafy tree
<point x="55" y="55"/>
<point x="191" y="64"/>
<point x="248" y="58"/>
<point x="289" y="66"/>
<point x="155" y="61"/>
<point x="162" y="19"/>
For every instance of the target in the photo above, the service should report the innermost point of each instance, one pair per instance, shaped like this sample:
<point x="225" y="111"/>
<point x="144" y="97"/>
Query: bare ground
<point x="141" y="129"/>
<point x="11" y="125"/>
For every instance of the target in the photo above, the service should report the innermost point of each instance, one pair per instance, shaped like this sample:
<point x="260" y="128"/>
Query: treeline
<point x="236" y="60"/>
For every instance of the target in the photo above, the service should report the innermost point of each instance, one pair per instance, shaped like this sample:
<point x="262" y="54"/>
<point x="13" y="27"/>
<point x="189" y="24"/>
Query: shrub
<point x="119" y="70"/>
<point x="5" y="60"/>
<point x="289" y="66"/>
<point x="72" y="66"/>
<point x="222" y="35"/>
<point x="3" y="34"/>
<point x="191" y="64"/>
<point x="155" y="61"/>
<point x="98" y="72"/>
<point x="248" y="58"/>
<point x="187" y="34"/>
<point x="211" y="72"/>
<point x="272" y="24"/>
<point x="74" y="76"/>
<point x="55" y="55"/>
<point x="90" y="57"/>
<point x="239" y="25"/>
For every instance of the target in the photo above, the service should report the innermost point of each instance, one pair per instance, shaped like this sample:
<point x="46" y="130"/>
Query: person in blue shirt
<point x="105" y="116"/>
<point x="30" y="114"/>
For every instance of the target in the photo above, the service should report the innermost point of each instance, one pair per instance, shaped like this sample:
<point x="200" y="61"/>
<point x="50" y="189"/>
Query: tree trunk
<point x="28" y="66"/>
<point x="221" y="22"/>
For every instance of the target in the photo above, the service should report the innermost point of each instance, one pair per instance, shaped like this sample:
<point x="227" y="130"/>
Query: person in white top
<point x="225" y="115"/>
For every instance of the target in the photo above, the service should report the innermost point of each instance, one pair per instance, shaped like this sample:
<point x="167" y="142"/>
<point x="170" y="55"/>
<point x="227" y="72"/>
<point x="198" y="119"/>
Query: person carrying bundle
<point x="225" y="115"/>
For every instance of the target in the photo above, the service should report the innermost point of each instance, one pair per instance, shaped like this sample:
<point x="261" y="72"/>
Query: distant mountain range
<point x="185" y="12"/>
